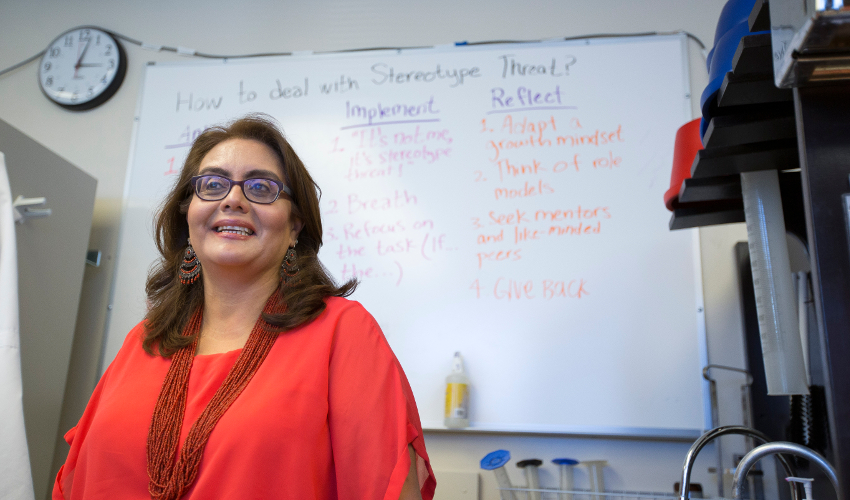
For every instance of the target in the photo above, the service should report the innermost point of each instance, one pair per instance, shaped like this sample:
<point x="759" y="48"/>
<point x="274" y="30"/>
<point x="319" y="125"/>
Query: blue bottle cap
<point x="564" y="461"/>
<point x="495" y="459"/>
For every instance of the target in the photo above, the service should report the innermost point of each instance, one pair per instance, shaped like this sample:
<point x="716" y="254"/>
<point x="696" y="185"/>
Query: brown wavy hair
<point x="171" y="304"/>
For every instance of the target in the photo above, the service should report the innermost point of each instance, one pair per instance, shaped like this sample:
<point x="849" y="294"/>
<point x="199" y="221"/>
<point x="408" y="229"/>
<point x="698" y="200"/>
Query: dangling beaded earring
<point x="190" y="268"/>
<point x="289" y="268"/>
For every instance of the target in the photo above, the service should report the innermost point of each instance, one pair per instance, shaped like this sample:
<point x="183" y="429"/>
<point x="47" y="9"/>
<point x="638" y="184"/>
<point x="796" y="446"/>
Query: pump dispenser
<point x="807" y="484"/>
<point x="457" y="396"/>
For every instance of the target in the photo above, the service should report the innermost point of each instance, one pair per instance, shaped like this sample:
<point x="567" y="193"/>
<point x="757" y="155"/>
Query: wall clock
<point x="82" y="68"/>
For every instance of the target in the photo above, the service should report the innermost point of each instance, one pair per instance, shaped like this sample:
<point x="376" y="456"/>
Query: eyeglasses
<point x="216" y="187"/>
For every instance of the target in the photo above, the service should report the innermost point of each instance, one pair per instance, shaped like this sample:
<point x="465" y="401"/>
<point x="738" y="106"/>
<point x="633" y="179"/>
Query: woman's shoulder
<point x="132" y="344"/>
<point x="131" y="356"/>
<point x="338" y="307"/>
<point x="349" y="319"/>
<point x="135" y="336"/>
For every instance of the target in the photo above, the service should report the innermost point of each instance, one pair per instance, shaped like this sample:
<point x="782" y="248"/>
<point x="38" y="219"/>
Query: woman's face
<point x="234" y="233"/>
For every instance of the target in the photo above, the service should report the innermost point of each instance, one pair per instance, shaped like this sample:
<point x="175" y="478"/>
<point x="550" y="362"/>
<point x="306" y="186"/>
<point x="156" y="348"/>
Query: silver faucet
<point x="780" y="447"/>
<point x="703" y="440"/>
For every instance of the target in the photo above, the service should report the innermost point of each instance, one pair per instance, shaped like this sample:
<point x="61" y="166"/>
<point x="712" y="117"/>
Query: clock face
<point x="82" y="68"/>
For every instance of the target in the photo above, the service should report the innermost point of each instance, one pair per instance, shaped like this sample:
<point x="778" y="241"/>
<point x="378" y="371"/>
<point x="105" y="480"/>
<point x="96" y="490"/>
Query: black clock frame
<point x="110" y="90"/>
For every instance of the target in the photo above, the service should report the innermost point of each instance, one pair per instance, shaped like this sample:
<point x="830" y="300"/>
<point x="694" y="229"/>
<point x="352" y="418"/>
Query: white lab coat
<point x="15" y="473"/>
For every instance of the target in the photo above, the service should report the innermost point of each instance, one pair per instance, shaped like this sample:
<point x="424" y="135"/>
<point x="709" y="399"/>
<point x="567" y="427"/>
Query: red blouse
<point x="328" y="415"/>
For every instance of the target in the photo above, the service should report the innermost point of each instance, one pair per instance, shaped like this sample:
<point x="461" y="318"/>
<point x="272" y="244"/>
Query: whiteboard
<point x="504" y="201"/>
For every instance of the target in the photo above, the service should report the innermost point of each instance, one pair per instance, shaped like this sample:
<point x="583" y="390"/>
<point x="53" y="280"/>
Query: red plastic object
<point x="688" y="142"/>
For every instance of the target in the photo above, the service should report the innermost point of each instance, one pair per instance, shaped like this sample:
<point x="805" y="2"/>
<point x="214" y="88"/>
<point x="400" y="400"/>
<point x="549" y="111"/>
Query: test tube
<point x="597" y="480"/>
<point x="566" y="477"/>
<point x="779" y="327"/>
<point x="532" y="478"/>
<point x="495" y="462"/>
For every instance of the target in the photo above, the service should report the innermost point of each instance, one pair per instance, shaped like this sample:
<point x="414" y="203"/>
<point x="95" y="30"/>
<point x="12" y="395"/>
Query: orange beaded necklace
<point x="170" y="480"/>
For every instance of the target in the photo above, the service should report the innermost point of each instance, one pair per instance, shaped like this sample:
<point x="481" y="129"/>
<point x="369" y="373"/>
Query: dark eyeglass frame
<point x="282" y="188"/>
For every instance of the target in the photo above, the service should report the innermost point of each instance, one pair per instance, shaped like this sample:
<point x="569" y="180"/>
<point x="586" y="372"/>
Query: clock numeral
<point x="85" y="35"/>
<point x="74" y="96"/>
<point x="97" y="40"/>
<point x="90" y="92"/>
<point x="47" y="66"/>
<point x="69" y="41"/>
<point x="49" y="81"/>
<point x="108" y="50"/>
<point x="54" y="52"/>
<point x="103" y="80"/>
<point x="111" y="63"/>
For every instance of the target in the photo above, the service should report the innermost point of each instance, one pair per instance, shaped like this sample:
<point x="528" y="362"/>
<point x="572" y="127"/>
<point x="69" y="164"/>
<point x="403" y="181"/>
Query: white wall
<point x="98" y="141"/>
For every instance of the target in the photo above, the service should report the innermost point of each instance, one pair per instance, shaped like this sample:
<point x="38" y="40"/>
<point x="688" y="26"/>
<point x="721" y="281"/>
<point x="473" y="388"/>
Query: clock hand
<point x="80" y="59"/>
<point x="88" y="65"/>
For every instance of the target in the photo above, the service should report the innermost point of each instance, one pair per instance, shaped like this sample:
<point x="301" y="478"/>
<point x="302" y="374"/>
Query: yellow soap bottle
<point x="457" y="396"/>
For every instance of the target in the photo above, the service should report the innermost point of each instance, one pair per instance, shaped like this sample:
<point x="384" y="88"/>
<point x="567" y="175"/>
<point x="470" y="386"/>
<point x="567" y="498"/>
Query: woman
<point x="251" y="375"/>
